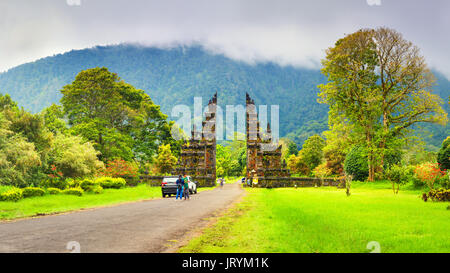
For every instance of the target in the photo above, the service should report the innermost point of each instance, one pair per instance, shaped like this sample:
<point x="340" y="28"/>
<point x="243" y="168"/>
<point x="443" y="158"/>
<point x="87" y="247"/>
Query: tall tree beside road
<point x="381" y="84"/>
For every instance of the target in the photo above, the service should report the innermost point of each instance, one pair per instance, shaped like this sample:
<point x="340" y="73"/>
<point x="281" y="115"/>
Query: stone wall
<point x="284" y="182"/>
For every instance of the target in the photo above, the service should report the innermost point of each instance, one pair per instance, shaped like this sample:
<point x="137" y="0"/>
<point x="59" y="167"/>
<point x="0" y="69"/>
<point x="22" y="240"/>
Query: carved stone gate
<point x="198" y="154"/>
<point x="263" y="156"/>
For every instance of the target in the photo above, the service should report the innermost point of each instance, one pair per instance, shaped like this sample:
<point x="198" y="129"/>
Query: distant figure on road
<point x="222" y="180"/>
<point x="180" y="184"/>
<point x="186" y="187"/>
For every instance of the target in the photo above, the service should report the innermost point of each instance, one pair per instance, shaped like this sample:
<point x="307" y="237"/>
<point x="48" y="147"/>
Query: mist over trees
<point x="174" y="76"/>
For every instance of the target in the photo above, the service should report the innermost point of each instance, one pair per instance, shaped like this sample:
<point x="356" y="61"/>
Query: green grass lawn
<point x="326" y="220"/>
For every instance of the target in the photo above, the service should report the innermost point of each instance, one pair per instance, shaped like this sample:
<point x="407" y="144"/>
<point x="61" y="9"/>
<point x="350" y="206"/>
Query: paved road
<point x="136" y="227"/>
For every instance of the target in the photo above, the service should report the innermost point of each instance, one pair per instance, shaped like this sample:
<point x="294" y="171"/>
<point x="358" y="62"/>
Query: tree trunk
<point x="383" y="141"/>
<point x="370" y="158"/>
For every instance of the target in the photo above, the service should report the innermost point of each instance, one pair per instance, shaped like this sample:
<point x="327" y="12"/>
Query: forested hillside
<point x="175" y="76"/>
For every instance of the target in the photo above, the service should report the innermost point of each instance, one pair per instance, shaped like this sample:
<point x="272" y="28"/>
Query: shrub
<point x="73" y="183"/>
<point x="54" y="191"/>
<point x="58" y="183"/>
<point x="73" y="191"/>
<point x="428" y="173"/>
<point x="111" y="183"/>
<point x="444" y="181"/>
<point x="74" y="158"/>
<point x="322" y="171"/>
<point x="12" y="194"/>
<point x="165" y="161"/>
<point x="443" y="157"/>
<point x="417" y="182"/>
<point x="97" y="189"/>
<point x="356" y="163"/>
<point x="87" y="184"/>
<point x="398" y="175"/>
<point x="440" y="195"/>
<point x="297" y="164"/>
<point x="119" y="168"/>
<point x="32" y="191"/>
<point x="18" y="158"/>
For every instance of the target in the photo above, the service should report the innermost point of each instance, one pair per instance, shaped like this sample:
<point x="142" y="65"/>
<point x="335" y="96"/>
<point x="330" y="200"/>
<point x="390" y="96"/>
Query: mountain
<point x="176" y="75"/>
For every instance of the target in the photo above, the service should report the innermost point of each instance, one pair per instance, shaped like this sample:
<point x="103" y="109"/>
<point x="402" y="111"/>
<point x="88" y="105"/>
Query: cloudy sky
<point x="289" y="32"/>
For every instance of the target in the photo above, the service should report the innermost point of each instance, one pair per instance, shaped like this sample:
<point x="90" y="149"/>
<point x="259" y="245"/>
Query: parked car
<point x="169" y="185"/>
<point x="192" y="185"/>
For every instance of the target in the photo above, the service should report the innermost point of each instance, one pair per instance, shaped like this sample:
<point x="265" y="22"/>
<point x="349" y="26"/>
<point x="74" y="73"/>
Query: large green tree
<point x="54" y="119"/>
<point x="120" y="120"/>
<point x="381" y="84"/>
<point x="312" y="151"/>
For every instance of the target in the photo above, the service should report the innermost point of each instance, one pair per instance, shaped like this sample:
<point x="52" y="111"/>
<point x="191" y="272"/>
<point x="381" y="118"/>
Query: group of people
<point x="182" y="187"/>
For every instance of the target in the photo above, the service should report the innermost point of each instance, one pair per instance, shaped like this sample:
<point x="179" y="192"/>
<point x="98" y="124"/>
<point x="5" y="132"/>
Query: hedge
<point x="356" y="163"/>
<point x="54" y="191"/>
<point x="32" y="191"/>
<point x="13" y="194"/>
<point x="87" y="184"/>
<point x="111" y="183"/>
<point x="73" y="191"/>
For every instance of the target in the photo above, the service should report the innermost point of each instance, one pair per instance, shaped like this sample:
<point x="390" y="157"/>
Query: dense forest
<point x="174" y="76"/>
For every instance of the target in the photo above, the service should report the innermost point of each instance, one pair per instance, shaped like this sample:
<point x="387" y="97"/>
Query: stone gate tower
<point x="263" y="156"/>
<point x="198" y="154"/>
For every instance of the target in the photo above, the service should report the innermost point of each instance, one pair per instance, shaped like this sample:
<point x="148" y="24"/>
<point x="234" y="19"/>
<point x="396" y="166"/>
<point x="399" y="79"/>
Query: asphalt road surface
<point x="145" y="226"/>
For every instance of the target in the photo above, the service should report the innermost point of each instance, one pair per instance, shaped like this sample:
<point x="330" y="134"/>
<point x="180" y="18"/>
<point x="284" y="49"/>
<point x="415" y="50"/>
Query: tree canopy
<point x="120" y="120"/>
<point x="381" y="84"/>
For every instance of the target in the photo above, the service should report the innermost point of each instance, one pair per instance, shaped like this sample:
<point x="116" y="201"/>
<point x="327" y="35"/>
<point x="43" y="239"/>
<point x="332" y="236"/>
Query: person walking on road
<point x="221" y="182"/>
<point x="186" y="188"/>
<point x="180" y="185"/>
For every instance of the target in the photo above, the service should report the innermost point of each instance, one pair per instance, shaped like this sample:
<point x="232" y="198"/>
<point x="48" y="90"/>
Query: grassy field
<point x="326" y="220"/>
<point x="49" y="204"/>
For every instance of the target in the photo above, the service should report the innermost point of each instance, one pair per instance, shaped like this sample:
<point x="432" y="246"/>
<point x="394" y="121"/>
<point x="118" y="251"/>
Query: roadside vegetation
<point x="54" y="200"/>
<point x="55" y="203"/>
<point x="379" y="91"/>
<point x="82" y="148"/>
<point x="324" y="219"/>
<point x="76" y="155"/>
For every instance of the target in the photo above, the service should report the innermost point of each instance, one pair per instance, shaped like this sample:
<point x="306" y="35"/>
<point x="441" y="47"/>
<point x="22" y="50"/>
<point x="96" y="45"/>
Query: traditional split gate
<point x="198" y="155"/>
<point x="263" y="157"/>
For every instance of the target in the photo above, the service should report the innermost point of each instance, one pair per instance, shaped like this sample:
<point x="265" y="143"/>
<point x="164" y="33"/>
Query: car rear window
<point x="170" y="179"/>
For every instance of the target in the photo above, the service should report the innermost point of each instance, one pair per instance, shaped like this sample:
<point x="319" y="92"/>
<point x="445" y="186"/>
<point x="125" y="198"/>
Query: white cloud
<point x="290" y="32"/>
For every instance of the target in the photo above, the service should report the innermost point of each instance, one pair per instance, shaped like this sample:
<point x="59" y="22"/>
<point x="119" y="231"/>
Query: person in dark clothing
<point x="180" y="185"/>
